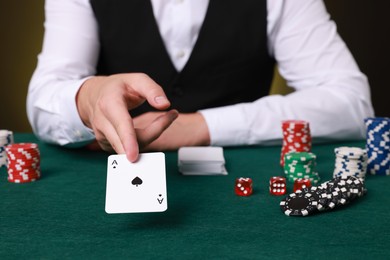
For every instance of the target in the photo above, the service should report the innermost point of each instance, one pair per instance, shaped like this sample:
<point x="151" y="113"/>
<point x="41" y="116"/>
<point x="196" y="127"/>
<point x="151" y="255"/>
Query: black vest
<point x="229" y="64"/>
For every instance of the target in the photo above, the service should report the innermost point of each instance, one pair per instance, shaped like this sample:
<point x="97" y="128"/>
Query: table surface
<point x="62" y="215"/>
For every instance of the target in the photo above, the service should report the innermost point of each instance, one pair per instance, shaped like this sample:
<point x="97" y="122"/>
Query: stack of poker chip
<point x="296" y="137"/>
<point x="6" y="138"/>
<point x="350" y="161"/>
<point x="330" y="195"/>
<point x="301" y="165"/>
<point x="378" y="145"/>
<point x="23" y="162"/>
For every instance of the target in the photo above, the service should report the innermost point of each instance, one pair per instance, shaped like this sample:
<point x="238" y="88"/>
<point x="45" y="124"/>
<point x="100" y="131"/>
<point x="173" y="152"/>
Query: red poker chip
<point x="21" y="150"/>
<point x="297" y="131"/>
<point x="23" y="157"/>
<point x="23" y="162"/>
<point x="23" y="170"/>
<point x="22" y="181"/>
<point x="23" y="178"/>
<point x="13" y="157"/>
<point x="296" y="137"/>
<point x="296" y="147"/>
<point x="295" y="123"/>
<point x="26" y="155"/>
<point x="290" y="131"/>
<point x="17" y="146"/>
<point x="24" y="173"/>
<point x="20" y="168"/>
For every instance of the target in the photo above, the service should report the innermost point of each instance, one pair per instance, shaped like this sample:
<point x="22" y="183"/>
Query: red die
<point x="301" y="184"/>
<point x="243" y="186"/>
<point x="277" y="186"/>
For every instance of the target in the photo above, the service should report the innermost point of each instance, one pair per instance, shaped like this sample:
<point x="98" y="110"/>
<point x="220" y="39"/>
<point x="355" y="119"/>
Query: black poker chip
<point x="298" y="204"/>
<point x="333" y="198"/>
<point x="344" y="195"/>
<point x="342" y="187"/>
<point x="319" y="195"/>
<point x="356" y="187"/>
<point x="329" y="195"/>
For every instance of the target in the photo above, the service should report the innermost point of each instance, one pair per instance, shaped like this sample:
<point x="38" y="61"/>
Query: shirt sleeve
<point x="68" y="58"/>
<point x="332" y="94"/>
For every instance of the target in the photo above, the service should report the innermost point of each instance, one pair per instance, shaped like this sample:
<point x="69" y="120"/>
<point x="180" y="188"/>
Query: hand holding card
<point x="136" y="187"/>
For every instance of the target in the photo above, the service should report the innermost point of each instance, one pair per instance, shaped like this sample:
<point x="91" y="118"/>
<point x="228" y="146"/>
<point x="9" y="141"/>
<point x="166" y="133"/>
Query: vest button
<point x="180" y="54"/>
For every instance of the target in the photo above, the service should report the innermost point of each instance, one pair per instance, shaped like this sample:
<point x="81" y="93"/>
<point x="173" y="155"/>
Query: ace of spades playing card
<point x="136" y="187"/>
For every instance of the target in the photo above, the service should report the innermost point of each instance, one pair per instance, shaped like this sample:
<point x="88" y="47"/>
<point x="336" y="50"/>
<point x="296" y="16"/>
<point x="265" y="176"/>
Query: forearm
<point x="68" y="58"/>
<point x="333" y="113"/>
<point x="53" y="115"/>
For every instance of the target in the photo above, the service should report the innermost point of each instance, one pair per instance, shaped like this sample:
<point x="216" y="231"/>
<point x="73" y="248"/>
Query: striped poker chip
<point x="378" y="145"/>
<point x="347" y="189"/>
<point x="6" y="138"/>
<point x="350" y="152"/>
<point x="299" y="204"/>
<point x="330" y="195"/>
<point x="319" y="195"/>
<point x="354" y="185"/>
<point x="296" y="138"/>
<point x="333" y="198"/>
<point x="344" y="195"/>
<point x="301" y="165"/>
<point x="350" y="161"/>
<point x="23" y="162"/>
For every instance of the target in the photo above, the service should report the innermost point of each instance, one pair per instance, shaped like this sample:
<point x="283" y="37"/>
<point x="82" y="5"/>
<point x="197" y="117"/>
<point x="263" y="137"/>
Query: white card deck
<point x="196" y="160"/>
<point x="136" y="187"/>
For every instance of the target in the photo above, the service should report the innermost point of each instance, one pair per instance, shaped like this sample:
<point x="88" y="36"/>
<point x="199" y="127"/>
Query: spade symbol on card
<point x="114" y="164"/>
<point x="160" y="198"/>
<point x="136" y="181"/>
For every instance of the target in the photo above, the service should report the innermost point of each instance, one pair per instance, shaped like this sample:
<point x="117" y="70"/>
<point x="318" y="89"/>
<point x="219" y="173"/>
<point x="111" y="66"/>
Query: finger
<point x="107" y="136"/>
<point x="156" y="128"/>
<point x="145" y="87"/>
<point x="119" y="130"/>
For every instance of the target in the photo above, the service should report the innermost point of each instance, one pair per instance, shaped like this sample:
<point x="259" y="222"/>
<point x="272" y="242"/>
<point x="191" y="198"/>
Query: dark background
<point x="364" y="25"/>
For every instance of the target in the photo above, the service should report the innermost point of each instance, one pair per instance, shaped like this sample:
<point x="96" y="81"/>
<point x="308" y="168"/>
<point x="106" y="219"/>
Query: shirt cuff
<point x="78" y="133"/>
<point x="226" y="126"/>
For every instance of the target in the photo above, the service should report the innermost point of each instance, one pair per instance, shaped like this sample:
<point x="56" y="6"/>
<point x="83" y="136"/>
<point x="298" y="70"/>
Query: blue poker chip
<point x="378" y="145"/>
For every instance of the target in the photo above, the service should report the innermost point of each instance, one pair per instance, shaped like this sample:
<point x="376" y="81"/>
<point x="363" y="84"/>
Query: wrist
<point x="83" y="100"/>
<point x="202" y="134"/>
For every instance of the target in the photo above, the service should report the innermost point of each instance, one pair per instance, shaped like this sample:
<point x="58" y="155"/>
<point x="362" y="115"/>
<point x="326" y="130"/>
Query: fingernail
<point x="174" y="114"/>
<point x="161" y="100"/>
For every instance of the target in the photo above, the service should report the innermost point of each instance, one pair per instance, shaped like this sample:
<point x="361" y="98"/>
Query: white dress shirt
<point x="331" y="92"/>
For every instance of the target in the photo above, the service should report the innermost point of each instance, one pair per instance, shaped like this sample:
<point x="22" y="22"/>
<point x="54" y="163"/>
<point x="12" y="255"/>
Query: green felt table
<point x="62" y="216"/>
